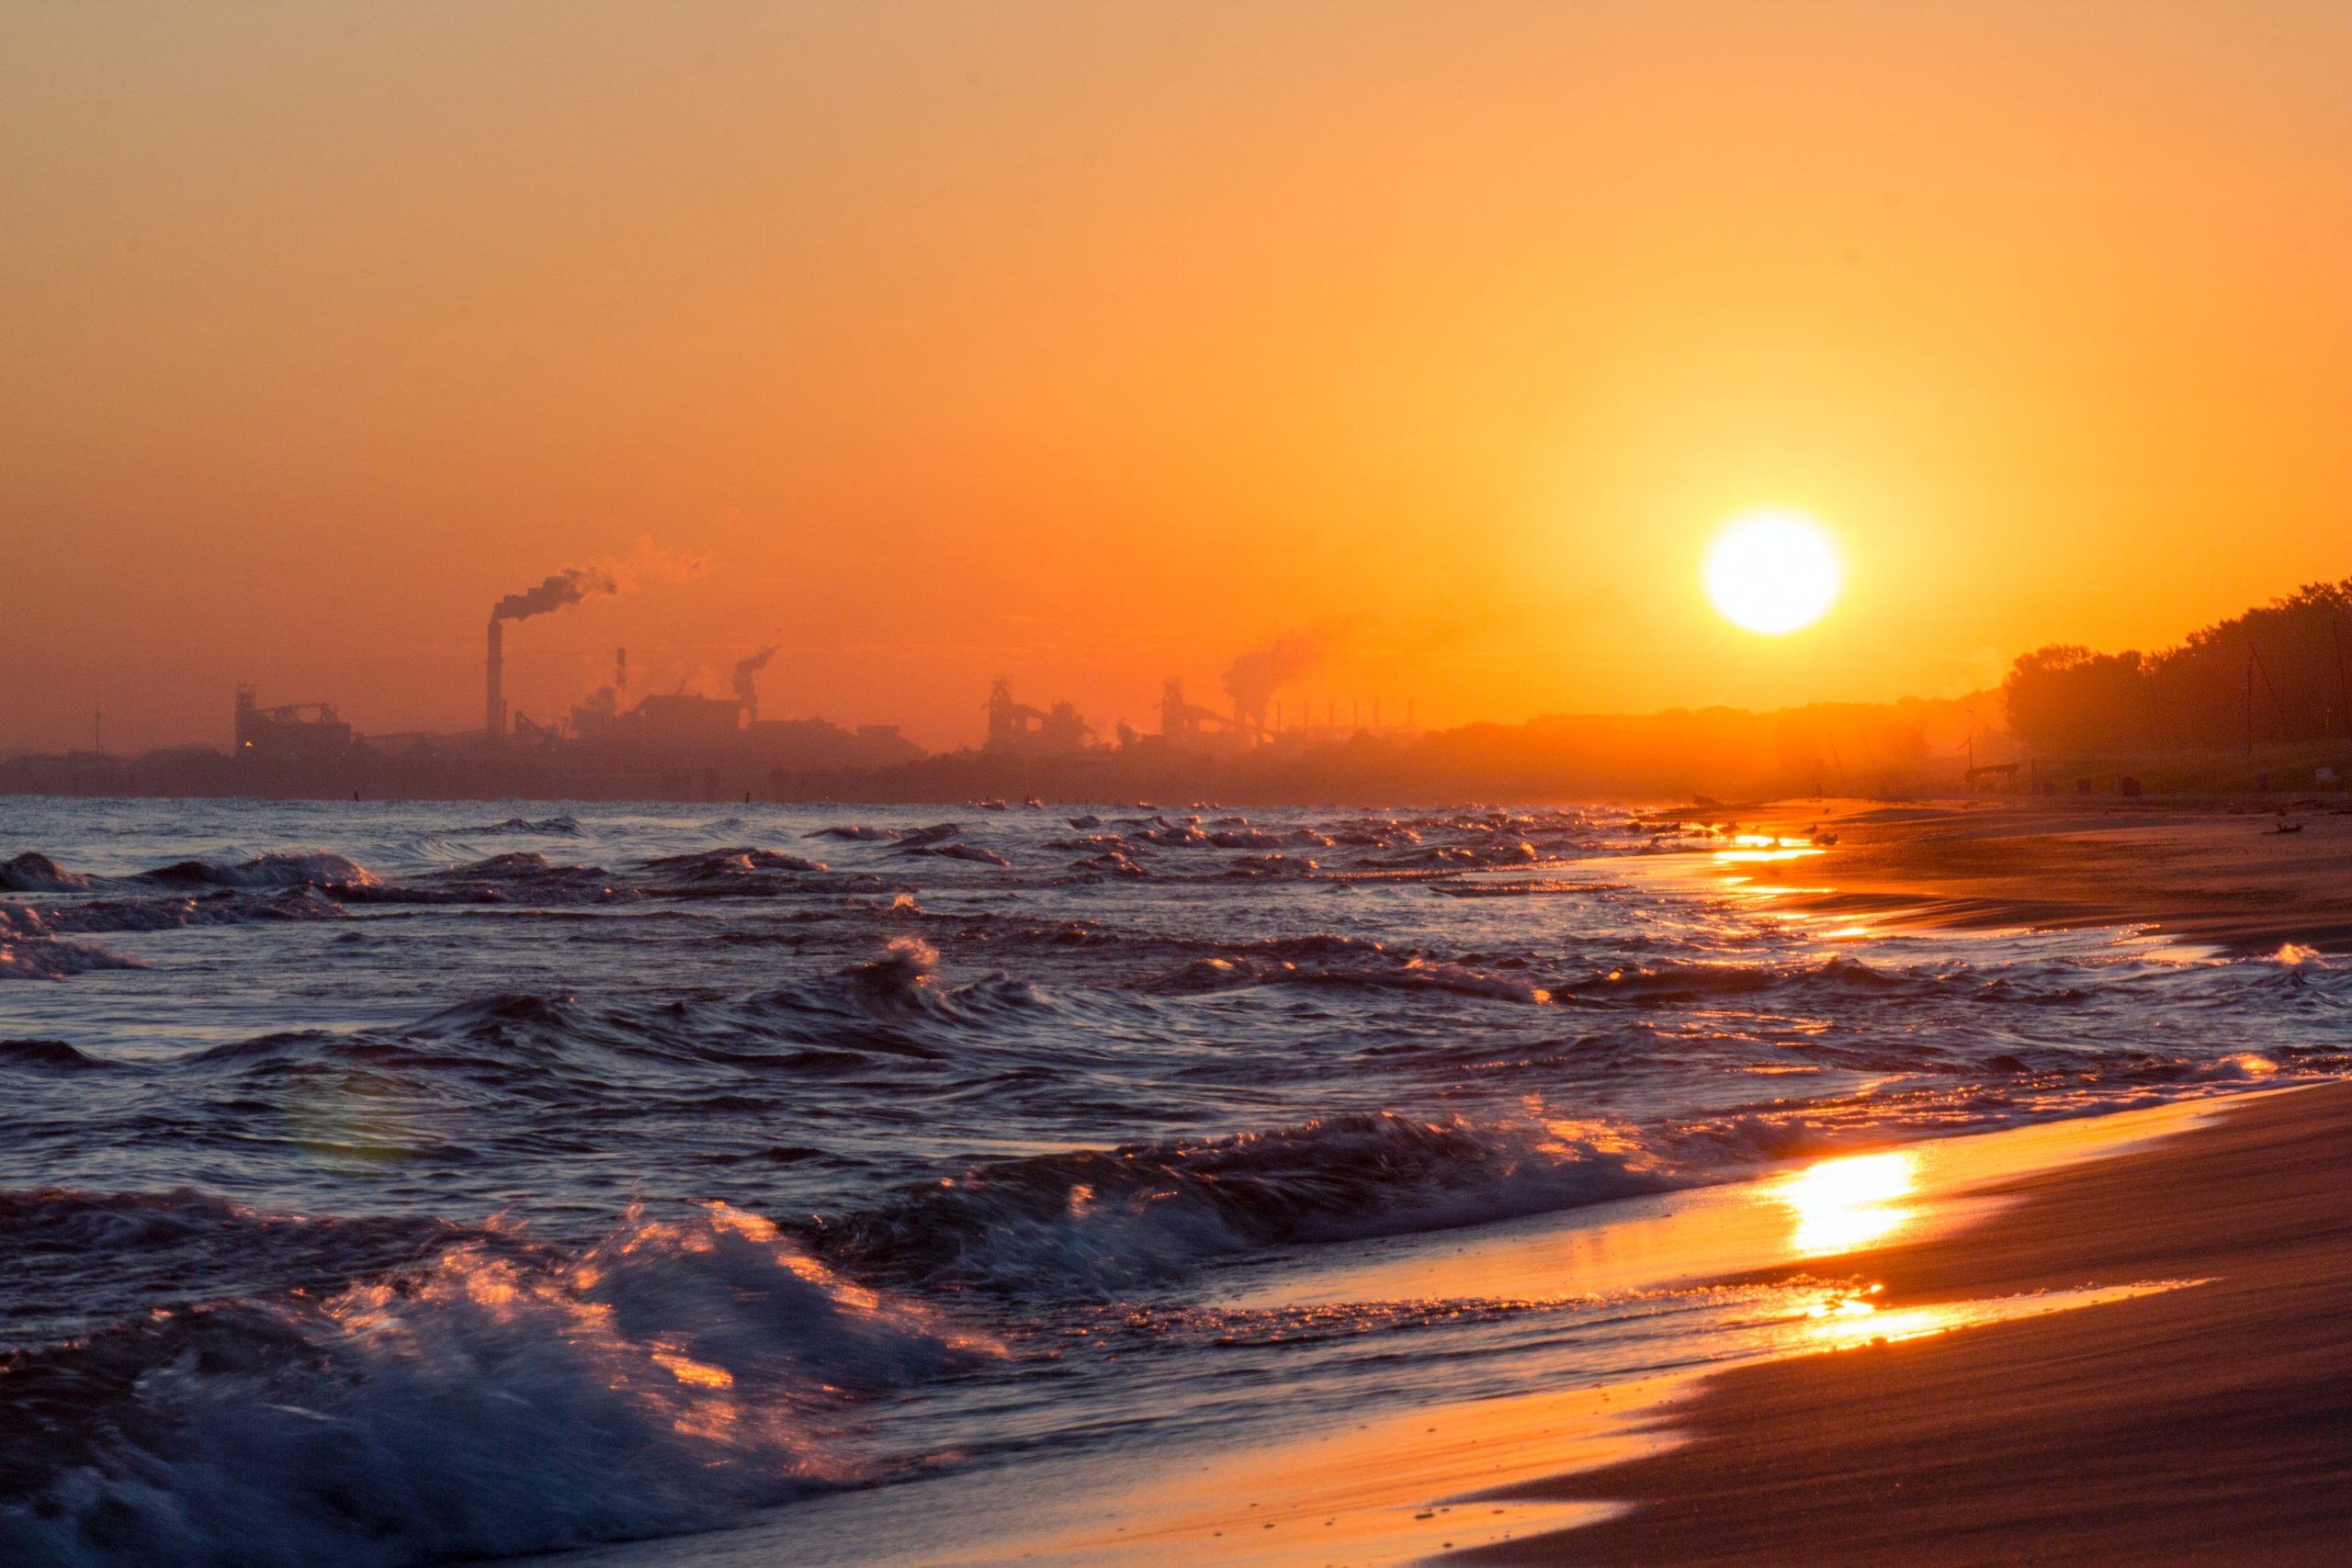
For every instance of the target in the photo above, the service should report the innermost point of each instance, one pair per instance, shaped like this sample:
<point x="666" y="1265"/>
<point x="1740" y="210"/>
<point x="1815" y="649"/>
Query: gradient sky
<point x="1090" y="343"/>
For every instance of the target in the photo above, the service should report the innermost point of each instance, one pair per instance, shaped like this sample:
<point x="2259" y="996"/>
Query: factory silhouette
<point x="1262" y="747"/>
<point x="616" y="744"/>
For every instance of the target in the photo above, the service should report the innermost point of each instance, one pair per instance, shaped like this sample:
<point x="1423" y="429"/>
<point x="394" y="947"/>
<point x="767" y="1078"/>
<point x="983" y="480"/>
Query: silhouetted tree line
<point x="2279" y="671"/>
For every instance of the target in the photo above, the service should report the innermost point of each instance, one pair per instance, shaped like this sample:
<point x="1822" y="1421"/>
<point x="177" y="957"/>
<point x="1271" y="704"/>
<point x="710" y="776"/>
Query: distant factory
<point x="684" y="745"/>
<point x="1274" y="745"/>
<point x="665" y="745"/>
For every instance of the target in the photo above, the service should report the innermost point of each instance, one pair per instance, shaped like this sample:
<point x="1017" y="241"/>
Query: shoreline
<point x="1784" y="1257"/>
<point x="2211" y="1422"/>
<point x="2213" y="872"/>
<point x="2084" y="1292"/>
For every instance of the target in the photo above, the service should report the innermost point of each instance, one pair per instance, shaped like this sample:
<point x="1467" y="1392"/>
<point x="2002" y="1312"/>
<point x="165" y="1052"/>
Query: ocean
<point x="391" y="1183"/>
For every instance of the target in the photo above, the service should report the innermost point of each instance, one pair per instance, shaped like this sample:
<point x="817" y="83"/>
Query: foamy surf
<point x="485" y="1404"/>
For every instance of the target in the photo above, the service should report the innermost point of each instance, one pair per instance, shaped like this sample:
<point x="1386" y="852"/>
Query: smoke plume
<point x="606" y="575"/>
<point x="745" y="687"/>
<point x="569" y="586"/>
<point x="650" y="563"/>
<point x="1252" y="679"/>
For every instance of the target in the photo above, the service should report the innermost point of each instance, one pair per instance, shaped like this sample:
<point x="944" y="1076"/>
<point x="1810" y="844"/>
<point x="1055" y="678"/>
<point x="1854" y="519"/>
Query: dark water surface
<point x="387" y="1183"/>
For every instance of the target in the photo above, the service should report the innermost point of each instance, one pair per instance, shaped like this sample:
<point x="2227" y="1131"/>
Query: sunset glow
<point x="1146" y="342"/>
<point x="1248" y="782"/>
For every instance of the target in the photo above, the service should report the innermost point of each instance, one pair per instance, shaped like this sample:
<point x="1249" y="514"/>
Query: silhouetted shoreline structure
<point x="2260" y="701"/>
<point x="1018" y="729"/>
<point x="684" y="746"/>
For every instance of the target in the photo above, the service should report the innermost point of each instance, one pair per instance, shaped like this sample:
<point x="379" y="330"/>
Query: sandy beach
<point x="2210" y="1423"/>
<point x="2216" y="871"/>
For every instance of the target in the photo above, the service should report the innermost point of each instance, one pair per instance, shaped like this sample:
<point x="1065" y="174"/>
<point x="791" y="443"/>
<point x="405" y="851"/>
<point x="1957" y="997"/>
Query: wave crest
<point x="319" y="868"/>
<point x="32" y="873"/>
<point x="485" y="1405"/>
<point x="30" y="951"/>
<point x="1103" y="1220"/>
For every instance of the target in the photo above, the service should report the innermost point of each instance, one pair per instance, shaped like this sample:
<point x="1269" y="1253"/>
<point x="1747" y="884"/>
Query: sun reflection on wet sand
<point x="1847" y="1322"/>
<point x="1638" y="1244"/>
<point x="1840" y="1205"/>
<point x="1447" y="1477"/>
<point x="1750" y="848"/>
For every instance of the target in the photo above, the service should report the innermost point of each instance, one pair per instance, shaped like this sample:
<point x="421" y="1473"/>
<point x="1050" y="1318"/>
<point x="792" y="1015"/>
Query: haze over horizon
<point x="1088" y="346"/>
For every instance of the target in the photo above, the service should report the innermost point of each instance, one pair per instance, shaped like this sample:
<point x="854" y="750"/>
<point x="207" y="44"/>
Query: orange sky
<point x="1090" y="343"/>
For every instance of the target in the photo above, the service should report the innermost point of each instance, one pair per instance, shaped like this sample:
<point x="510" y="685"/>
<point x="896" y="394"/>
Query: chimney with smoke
<point x="569" y="586"/>
<point x="747" y="689"/>
<point x="493" y="712"/>
<point x="1251" y="679"/>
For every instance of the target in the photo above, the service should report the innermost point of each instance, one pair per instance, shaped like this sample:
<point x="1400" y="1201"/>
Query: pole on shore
<point x="2285" y="730"/>
<point x="2343" y="684"/>
<point x="2246" y="699"/>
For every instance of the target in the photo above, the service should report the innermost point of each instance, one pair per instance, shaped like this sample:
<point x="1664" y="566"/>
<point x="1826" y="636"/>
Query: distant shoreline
<point x="2209" y="870"/>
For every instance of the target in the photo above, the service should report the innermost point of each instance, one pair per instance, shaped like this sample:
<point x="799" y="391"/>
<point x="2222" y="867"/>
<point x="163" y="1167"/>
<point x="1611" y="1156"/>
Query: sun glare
<point x="1842" y="1204"/>
<point x="1772" y="572"/>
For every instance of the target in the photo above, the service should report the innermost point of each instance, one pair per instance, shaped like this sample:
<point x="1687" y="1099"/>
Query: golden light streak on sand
<point x="1842" y="1204"/>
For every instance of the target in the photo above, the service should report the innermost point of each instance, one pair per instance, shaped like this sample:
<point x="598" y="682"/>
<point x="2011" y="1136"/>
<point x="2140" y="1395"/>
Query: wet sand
<point x="2205" y="1423"/>
<point x="2214" y="871"/>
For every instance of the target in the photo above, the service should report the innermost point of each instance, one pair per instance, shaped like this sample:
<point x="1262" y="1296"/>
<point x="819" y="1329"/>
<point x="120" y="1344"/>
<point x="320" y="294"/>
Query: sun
<point x="1772" y="571"/>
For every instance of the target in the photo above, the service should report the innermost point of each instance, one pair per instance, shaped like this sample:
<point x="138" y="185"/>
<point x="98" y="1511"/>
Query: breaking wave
<point x="29" y="950"/>
<point x="320" y="868"/>
<point x="545" y="826"/>
<point x="1104" y="1220"/>
<point x="747" y="870"/>
<point x="228" y="907"/>
<point x="487" y="1403"/>
<point x="32" y="873"/>
<point x="56" y="1055"/>
<point x="1329" y="960"/>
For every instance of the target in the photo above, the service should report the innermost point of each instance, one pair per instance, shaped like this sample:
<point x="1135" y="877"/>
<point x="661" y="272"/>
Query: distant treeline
<point x="2282" y="672"/>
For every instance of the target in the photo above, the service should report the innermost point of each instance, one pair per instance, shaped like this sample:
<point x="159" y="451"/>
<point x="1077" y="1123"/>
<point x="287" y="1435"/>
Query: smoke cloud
<point x="569" y="586"/>
<point x="606" y="575"/>
<point x="745" y="687"/>
<point x="1252" y="679"/>
<point x="650" y="563"/>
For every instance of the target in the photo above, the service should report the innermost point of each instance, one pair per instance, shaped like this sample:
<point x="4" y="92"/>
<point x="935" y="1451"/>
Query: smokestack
<point x="620" y="670"/>
<point x="569" y="586"/>
<point x="494" y="707"/>
<point x="1252" y="679"/>
<point x="747" y="690"/>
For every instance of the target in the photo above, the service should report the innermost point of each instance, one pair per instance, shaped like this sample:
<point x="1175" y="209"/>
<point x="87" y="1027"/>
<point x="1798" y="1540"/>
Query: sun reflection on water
<point x="1755" y="848"/>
